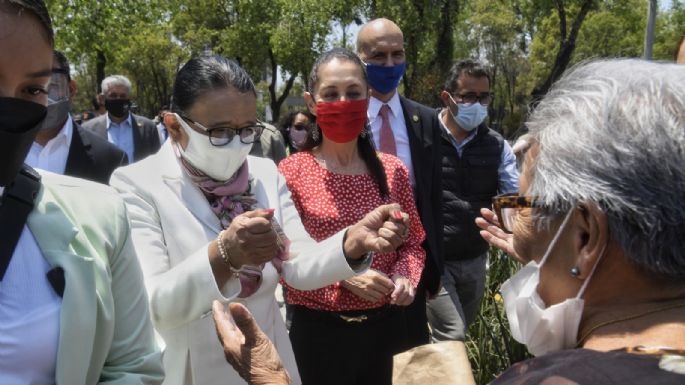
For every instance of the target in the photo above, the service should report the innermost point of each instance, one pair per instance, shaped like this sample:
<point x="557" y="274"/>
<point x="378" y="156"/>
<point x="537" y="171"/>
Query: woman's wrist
<point x="225" y="256"/>
<point x="353" y="248"/>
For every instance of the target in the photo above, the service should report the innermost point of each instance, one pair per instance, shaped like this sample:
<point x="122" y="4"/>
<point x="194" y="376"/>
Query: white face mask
<point x="469" y="116"/>
<point x="218" y="162"/>
<point x="542" y="329"/>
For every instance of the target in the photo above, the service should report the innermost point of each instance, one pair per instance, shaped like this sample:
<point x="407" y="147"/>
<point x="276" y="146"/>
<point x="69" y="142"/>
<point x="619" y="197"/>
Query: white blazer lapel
<point x="184" y="189"/>
<point x="54" y="233"/>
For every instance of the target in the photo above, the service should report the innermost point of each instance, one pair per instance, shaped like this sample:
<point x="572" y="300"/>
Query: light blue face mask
<point x="469" y="116"/>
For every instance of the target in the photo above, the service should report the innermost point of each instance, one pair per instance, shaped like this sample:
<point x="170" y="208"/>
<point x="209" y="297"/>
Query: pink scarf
<point x="228" y="200"/>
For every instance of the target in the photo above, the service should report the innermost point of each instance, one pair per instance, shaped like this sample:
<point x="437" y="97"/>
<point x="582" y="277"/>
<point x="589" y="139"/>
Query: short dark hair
<point x="468" y="67"/>
<point x="343" y="54"/>
<point x="677" y="47"/>
<point x="62" y="63"/>
<point x="38" y="9"/>
<point x="207" y="73"/>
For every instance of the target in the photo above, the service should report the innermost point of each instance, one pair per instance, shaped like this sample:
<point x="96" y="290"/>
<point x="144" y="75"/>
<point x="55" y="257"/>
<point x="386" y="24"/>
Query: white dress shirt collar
<point x="375" y="106"/>
<point x="53" y="156"/>
<point x="128" y="120"/>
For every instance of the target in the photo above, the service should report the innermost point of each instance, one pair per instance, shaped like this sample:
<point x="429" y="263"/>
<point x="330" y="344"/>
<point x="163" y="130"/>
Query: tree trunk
<point x="649" y="31"/>
<point x="100" y="62"/>
<point x="567" y="45"/>
<point x="276" y="101"/>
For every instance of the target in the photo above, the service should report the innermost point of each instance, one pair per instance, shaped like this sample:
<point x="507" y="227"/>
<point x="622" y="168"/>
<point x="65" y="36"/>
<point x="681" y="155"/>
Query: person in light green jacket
<point x="73" y="307"/>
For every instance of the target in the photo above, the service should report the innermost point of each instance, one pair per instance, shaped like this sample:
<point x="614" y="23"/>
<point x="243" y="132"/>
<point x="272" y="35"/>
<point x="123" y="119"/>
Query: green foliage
<point x="670" y="28"/>
<point x="489" y="344"/>
<point x="518" y="40"/>
<point x="428" y="28"/>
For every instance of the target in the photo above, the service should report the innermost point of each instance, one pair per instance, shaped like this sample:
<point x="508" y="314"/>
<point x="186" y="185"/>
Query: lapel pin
<point x="415" y="118"/>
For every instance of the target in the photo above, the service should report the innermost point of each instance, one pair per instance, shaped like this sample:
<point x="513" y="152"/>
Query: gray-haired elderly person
<point x="599" y="225"/>
<point x="134" y="134"/>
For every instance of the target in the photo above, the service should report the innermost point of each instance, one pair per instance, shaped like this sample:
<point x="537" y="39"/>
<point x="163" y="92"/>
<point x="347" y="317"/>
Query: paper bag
<point x="433" y="364"/>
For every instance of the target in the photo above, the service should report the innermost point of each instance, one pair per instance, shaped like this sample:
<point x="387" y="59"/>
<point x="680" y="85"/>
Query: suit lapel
<point x="415" y="133"/>
<point x="80" y="157"/>
<point x="136" y="130"/>
<point x="184" y="189"/>
<point x="55" y="232"/>
<point x="100" y="126"/>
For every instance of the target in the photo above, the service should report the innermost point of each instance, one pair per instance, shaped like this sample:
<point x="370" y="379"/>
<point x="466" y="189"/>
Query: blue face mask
<point x="469" y="116"/>
<point x="385" y="79"/>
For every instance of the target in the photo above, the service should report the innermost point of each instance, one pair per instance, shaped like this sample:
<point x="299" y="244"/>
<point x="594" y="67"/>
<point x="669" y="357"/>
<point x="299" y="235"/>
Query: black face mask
<point x="118" y="107"/>
<point x="20" y="121"/>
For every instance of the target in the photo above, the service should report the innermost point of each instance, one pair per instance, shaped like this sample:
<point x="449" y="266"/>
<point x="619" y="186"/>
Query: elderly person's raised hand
<point x="246" y="348"/>
<point x="492" y="232"/>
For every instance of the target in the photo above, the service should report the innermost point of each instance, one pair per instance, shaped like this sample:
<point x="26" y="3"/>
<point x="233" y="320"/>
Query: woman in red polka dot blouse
<point x="347" y="333"/>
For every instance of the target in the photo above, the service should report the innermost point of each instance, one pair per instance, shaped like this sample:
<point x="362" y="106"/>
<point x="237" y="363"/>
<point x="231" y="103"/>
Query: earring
<point x="315" y="133"/>
<point x="575" y="272"/>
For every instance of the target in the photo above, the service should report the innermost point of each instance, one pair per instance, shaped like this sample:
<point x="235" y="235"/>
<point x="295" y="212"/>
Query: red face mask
<point x="342" y="121"/>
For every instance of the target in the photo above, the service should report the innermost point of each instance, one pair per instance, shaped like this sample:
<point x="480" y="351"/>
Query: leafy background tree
<point x="527" y="44"/>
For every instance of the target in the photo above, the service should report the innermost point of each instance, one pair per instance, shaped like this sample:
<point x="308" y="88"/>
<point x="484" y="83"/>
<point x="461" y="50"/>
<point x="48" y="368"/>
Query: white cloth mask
<point x="469" y="116"/>
<point x="218" y="162"/>
<point x="542" y="329"/>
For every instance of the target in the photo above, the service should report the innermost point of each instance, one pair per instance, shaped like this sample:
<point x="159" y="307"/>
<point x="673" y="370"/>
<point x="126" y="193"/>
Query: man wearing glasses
<point x="477" y="164"/>
<point x="64" y="147"/>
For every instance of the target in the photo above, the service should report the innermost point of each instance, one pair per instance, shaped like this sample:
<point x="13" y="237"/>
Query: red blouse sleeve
<point x="411" y="255"/>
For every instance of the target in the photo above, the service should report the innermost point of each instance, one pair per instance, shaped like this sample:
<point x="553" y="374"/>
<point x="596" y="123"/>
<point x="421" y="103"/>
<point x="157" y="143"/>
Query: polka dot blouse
<point x="328" y="202"/>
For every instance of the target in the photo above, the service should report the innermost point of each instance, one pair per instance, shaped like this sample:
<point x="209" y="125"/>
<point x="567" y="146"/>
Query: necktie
<point x="387" y="138"/>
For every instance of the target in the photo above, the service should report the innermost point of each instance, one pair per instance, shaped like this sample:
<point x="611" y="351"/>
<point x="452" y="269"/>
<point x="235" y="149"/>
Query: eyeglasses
<point x="221" y="136"/>
<point x="484" y="98"/>
<point x="507" y="207"/>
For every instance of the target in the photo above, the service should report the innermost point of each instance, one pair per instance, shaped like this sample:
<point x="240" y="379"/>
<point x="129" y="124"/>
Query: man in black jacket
<point x="64" y="147"/>
<point x="410" y="131"/>
<point x="477" y="164"/>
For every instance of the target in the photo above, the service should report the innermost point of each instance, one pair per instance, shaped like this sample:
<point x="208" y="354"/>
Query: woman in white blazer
<point x="195" y="246"/>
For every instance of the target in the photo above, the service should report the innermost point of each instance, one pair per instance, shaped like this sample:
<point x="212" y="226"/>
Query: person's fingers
<point x="258" y="225"/>
<point x="490" y="216"/>
<point x="245" y="322"/>
<point x="409" y="298"/>
<point x="492" y="228"/>
<point x="222" y="322"/>
<point x="263" y="240"/>
<point x="381" y="246"/>
<point x="259" y="213"/>
<point x="396" y="227"/>
<point x="397" y="293"/>
<point x="374" y="293"/>
<point x="394" y="238"/>
<point x="384" y="283"/>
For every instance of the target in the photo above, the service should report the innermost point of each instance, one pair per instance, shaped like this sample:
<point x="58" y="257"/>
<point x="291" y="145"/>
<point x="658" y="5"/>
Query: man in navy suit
<point x="410" y="131"/>
<point x="64" y="147"/>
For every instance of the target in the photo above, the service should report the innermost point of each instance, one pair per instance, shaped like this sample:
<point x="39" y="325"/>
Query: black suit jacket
<point x="423" y="130"/>
<point x="145" y="135"/>
<point x="91" y="157"/>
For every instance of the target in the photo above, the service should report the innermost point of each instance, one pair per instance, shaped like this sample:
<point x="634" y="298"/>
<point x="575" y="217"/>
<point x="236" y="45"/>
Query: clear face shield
<point x="58" y="99"/>
<point x="58" y="90"/>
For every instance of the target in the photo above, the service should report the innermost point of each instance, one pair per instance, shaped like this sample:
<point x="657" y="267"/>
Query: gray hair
<point x="115" y="80"/>
<point x="612" y="133"/>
